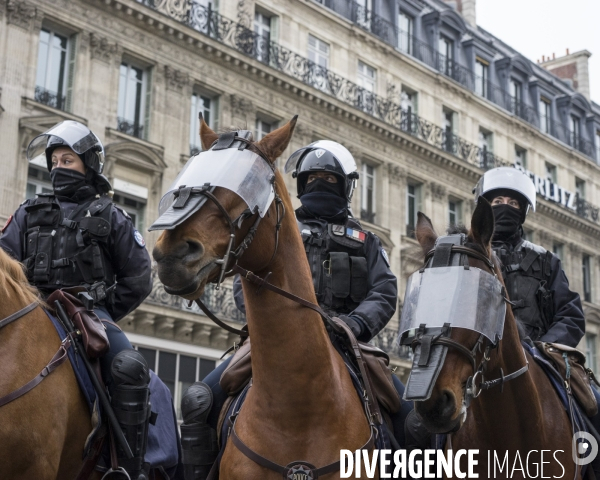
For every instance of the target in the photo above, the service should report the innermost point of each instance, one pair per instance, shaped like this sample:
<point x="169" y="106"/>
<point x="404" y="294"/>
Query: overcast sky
<point x="542" y="27"/>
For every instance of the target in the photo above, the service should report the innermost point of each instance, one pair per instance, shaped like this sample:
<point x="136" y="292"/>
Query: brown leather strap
<point x="220" y="323"/>
<point x="264" y="462"/>
<point x="59" y="357"/>
<point x="15" y="316"/>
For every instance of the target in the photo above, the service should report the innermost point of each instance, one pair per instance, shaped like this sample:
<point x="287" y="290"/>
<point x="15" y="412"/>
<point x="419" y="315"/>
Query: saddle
<point x="239" y="371"/>
<point x="570" y="363"/>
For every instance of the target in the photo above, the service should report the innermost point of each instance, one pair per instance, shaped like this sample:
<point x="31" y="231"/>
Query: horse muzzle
<point x="442" y="413"/>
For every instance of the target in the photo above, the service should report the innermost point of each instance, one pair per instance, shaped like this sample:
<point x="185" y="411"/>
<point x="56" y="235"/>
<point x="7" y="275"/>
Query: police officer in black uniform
<point x="545" y="307"/>
<point x="349" y="266"/>
<point x="75" y="237"/>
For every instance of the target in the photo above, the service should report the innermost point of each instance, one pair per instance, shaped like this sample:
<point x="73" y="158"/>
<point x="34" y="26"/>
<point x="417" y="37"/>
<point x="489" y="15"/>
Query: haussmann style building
<point x="423" y="98"/>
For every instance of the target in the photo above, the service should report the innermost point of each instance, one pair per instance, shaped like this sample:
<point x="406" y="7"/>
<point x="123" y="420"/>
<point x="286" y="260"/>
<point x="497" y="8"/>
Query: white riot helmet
<point x="323" y="156"/>
<point x="512" y="181"/>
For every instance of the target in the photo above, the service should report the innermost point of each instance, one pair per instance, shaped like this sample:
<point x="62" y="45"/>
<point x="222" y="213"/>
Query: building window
<point x="520" y="157"/>
<point x="177" y="371"/>
<point x="405" y="33"/>
<point x="545" y="115"/>
<point x="262" y="128"/>
<point x="38" y="180"/>
<point x="363" y="12"/>
<point x="454" y="212"/>
<point x="551" y="172"/>
<point x="449" y="122"/>
<point x="262" y="28"/>
<point x="131" y="111"/>
<point x="446" y="53"/>
<point x="486" y="148"/>
<point x="55" y="63"/>
<point x="135" y="208"/>
<point x="597" y="142"/>
<point x="318" y="53"/>
<point x="587" y="280"/>
<point x="580" y="188"/>
<point x="590" y="350"/>
<point x="204" y="104"/>
<point x="367" y="77"/>
<point x="557" y="249"/>
<point x="515" y="96"/>
<point x="575" y="130"/>
<point x="481" y="77"/>
<point x="528" y="235"/>
<point x="409" y="100"/>
<point x="413" y="201"/>
<point x="367" y="193"/>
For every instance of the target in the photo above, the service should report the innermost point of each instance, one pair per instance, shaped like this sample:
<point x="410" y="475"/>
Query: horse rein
<point x="472" y="388"/>
<point x="59" y="357"/>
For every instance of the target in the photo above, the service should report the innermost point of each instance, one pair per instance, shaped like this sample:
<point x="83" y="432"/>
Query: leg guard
<point x="198" y="440"/>
<point x="131" y="404"/>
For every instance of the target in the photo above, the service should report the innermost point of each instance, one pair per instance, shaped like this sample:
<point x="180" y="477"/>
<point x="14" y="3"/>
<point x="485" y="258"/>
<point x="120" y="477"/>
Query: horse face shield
<point x="240" y="171"/>
<point x="437" y="300"/>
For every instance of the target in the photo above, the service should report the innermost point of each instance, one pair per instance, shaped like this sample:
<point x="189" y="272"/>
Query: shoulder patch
<point x="137" y="236"/>
<point x="8" y="220"/>
<point x="386" y="259"/>
<point x="337" y="230"/>
<point x="356" y="234"/>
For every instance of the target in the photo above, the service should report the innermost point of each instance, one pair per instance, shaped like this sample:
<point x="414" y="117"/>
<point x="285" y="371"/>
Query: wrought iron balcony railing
<point x="52" y="99"/>
<point x="367" y="216"/>
<point x="130" y="128"/>
<point x="220" y="302"/>
<point x="587" y="210"/>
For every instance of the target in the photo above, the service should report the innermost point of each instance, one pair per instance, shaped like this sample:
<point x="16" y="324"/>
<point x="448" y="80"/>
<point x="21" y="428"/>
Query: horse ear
<point x="207" y="135"/>
<point x="425" y="233"/>
<point x="275" y="143"/>
<point x="482" y="223"/>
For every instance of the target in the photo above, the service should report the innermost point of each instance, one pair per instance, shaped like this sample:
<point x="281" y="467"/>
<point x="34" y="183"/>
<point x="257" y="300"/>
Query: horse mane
<point x="12" y="274"/>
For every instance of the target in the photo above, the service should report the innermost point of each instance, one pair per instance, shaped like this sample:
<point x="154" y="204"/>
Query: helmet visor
<point x="77" y="136"/>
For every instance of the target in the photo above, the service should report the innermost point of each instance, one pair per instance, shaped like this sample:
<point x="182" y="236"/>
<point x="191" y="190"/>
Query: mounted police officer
<point x="544" y="305"/>
<point x="349" y="266"/>
<point x="75" y="236"/>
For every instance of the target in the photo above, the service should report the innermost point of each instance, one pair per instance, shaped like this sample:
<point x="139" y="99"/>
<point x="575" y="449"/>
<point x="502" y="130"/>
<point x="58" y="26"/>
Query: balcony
<point x="367" y="216"/>
<point x="52" y="99"/>
<point x="587" y="210"/>
<point x="130" y="128"/>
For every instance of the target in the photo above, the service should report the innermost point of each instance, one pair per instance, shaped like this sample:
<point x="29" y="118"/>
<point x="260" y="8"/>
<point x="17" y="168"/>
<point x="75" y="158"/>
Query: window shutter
<point x="71" y="73"/>
<point x="148" y="99"/>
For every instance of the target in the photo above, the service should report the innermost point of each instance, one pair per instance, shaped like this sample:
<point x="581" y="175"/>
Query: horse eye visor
<point x="464" y="298"/>
<point x="241" y="171"/>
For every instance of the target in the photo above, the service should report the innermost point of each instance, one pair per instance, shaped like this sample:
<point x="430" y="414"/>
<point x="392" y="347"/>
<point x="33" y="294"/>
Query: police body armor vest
<point x="66" y="252"/>
<point x="338" y="264"/>
<point x="527" y="271"/>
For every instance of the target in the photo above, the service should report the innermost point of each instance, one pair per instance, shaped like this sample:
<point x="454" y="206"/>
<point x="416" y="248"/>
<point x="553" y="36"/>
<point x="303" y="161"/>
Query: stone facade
<point x="412" y="117"/>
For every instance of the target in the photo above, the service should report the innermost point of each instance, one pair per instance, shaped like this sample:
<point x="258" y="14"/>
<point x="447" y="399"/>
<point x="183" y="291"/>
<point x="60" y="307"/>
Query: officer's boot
<point x="198" y="439"/>
<point x="131" y="404"/>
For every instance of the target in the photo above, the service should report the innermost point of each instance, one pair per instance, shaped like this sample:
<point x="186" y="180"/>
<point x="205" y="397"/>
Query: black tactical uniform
<point x="78" y="237"/>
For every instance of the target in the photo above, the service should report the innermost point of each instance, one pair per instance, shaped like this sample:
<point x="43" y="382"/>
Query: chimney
<point x="467" y="8"/>
<point x="572" y="67"/>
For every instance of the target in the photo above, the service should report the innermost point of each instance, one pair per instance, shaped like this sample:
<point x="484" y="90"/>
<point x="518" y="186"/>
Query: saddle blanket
<point x="163" y="450"/>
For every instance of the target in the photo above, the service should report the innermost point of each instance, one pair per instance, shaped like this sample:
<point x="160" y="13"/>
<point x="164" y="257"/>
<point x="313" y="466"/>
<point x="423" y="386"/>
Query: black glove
<point x="354" y="324"/>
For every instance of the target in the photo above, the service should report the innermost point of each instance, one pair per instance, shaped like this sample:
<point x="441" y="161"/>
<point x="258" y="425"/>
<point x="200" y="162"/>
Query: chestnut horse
<point x="302" y="404"/>
<point x="527" y="416"/>
<point x="42" y="433"/>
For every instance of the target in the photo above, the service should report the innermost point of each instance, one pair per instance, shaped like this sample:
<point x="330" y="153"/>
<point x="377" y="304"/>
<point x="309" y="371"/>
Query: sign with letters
<point x="551" y="191"/>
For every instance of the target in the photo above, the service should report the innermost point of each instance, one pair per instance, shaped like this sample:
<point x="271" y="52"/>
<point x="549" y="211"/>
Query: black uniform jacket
<point x="130" y="259"/>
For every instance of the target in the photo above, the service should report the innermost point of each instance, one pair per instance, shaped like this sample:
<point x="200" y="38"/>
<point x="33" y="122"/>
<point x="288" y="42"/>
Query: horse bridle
<point x="472" y="388"/>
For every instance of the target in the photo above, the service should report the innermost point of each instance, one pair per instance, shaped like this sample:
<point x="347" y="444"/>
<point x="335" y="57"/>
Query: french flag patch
<point x="356" y="234"/>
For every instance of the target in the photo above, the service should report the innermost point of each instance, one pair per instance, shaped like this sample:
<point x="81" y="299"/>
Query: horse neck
<point x="288" y="340"/>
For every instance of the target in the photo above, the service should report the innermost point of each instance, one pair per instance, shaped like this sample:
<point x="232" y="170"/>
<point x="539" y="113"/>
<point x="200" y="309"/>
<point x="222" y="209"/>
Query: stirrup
<point x="118" y="474"/>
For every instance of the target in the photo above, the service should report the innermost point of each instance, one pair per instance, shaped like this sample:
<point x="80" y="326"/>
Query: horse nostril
<point x="447" y="403"/>
<point x="195" y="250"/>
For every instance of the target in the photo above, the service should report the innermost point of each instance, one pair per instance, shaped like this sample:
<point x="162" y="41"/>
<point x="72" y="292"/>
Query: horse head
<point x="445" y="409"/>
<point x="201" y="249"/>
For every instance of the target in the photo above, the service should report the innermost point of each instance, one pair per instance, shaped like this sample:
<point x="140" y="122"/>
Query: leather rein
<point x="59" y="357"/>
<point x="473" y="387"/>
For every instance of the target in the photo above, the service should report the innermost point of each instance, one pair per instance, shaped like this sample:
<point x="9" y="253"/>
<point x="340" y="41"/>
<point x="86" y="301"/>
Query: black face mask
<point x="323" y="199"/>
<point x="507" y="221"/>
<point x="66" y="181"/>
